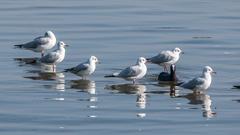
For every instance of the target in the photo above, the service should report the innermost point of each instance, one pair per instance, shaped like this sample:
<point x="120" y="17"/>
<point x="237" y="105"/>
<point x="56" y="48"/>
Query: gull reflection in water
<point x="204" y="100"/>
<point x="46" y="74"/>
<point x="23" y="61"/>
<point x="84" y="85"/>
<point x="139" y="90"/>
<point x="35" y="62"/>
<point x="89" y="87"/>
<point x="166" y="88"/>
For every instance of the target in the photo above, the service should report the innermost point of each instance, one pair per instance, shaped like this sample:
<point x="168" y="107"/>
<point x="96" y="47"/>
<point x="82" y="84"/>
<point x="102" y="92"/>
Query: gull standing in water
<point x="202" y="82"/>
<point x="54" y="57"/>
<point x="165" y="58"/>
<point x="40" y="44"/>
<point x="134" y="72"/>
<point x="86" y="68"/>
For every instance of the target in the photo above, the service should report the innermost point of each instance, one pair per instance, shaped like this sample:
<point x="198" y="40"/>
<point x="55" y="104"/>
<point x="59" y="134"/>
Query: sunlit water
<point x="34" y="101"/>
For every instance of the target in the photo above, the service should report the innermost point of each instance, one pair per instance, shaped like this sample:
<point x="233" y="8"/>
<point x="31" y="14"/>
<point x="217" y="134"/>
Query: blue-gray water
<point x="32" y="102"/>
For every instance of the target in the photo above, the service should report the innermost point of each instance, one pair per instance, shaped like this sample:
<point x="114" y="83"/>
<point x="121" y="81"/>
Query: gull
<point x="202" y="82"/>
<point x="86" y="68"/>
<point x="132" y="73"/>
<point x="165" y="58"/>
<point x="40" y="44"/>
<point x="54" y="57"/>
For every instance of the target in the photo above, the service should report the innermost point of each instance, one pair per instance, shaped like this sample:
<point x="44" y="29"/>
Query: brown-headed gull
<point x="40" y="44"/>
<point x="132" y="73"/>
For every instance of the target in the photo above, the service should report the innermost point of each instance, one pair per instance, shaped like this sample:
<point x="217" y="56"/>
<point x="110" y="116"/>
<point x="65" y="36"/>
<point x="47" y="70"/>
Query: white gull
<point x="166" y="58"/>
<point x="202" y="82"/>
<point x="86" y="68"/>
<point x="132" y="73"/>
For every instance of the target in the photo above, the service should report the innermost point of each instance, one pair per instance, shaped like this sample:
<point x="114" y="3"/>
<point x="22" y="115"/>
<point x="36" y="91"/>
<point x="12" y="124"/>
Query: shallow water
<point x="118" y="32"/>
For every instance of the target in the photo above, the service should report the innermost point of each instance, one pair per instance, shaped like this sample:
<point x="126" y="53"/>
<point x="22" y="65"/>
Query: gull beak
<point x="213" y="72"/>
<point x="66" y="45"/>
<point x="98" y="62"/>
<point x="182" y="52"/>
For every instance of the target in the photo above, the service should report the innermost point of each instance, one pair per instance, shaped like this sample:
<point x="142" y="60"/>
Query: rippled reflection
<point x="204" y="100"/>
<point x="170" y="88"/>
<point x="45" y="73"/>
<point x="35" y="62"/>
<point x="84" y="85"/>
<point x="139" y="90"/>
<point x="23" y="61"/>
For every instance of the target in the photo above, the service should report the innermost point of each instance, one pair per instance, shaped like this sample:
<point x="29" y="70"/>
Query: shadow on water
<point x="201" y="99"/>
<point x="137" y="89"/>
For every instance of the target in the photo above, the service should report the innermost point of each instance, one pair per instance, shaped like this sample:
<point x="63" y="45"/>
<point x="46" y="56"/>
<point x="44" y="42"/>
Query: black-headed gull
<point x="40" y="44"/>
<point x="132" y="73"/>
<point x="86" y="68"/>
<point x="165" y="58"/>
<point x="202" y="82"/>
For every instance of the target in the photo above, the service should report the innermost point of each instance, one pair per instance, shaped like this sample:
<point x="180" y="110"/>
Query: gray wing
<point x="130" y="71"/>
<point x="162" y="57"/>
<point x="36" y="42"/>
<point x="50" y="58"/>
<point x="193" y="83"/>
<point x="81" y="67"/>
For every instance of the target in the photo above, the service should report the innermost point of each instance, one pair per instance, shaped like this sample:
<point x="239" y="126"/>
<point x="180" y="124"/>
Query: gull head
<point x="62" y="44"/>
<point x="141" y="60"/>
<point x="177" y="51"/>
<point x="94" y="59"/>
<point x="208" y="69"/>
<point x="49" y="34"/>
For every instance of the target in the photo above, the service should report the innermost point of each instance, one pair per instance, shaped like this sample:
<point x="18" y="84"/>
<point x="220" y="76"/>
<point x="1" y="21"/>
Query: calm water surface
<point x="118" y="32"/>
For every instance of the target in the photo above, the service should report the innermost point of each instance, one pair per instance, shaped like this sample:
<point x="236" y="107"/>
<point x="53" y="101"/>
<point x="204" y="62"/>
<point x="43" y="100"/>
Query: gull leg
<point x="165" y="68"/>
<point x="134" y="81"/>
<point x="54" y="68"/>
<point x="42" y="53"/>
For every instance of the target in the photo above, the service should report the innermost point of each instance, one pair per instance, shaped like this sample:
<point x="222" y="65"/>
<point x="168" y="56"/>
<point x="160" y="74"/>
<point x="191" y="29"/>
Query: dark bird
<point x="169" y="77"/>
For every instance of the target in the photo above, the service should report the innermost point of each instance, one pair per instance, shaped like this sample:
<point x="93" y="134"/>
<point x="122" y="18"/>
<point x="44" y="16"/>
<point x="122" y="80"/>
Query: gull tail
<point x="180" y="83"/>
<point x="112" y="75"/>
<point x="68" y="70"/>
<point x="109" y="76"/>
<point x="18" y="46"/>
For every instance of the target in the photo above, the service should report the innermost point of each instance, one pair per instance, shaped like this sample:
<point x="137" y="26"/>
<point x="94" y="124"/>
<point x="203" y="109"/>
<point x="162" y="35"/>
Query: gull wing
<point x="36" y="42"/>
<point x="130" y="71"/>
<point x="192" y="84"/>
<point x="162" y="57"/>
<point x="50" y="58"/>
